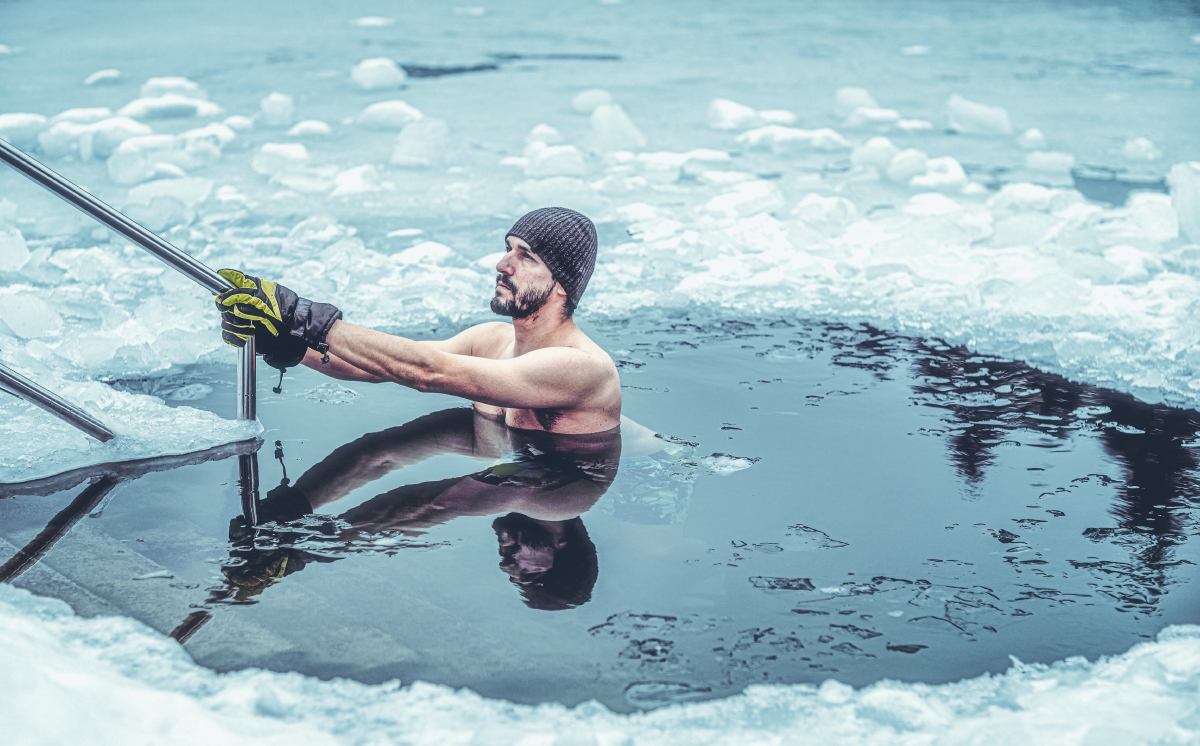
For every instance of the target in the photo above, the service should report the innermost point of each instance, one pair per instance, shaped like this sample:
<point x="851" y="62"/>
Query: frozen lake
<point x="807" y="165"/>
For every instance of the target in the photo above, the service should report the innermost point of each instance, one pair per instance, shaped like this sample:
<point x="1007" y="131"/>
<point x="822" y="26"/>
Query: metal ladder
<point x="26" y="389"/>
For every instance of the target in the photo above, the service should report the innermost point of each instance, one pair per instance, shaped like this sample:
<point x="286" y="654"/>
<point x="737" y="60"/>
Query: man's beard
<point x="520" y="304"/>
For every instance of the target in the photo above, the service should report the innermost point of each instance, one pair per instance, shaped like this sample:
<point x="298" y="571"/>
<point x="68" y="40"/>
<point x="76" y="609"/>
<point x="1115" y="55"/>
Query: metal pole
<point x="147" y="240"/>
<point x="26" y="389"/>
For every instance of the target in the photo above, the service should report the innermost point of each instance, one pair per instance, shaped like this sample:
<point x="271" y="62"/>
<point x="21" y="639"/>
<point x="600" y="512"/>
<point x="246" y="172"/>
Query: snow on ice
<point x="128" y="684"/>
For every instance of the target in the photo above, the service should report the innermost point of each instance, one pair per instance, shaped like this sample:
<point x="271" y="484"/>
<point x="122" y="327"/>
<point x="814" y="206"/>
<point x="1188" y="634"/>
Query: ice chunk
<point x="389" y="115"/>
<point x="865" y="116"/>
<point x="585" y="102"/>
<point x="913" y="125"/>
<point x="1049" y="161"/>
<point x="136" y="159"/>
<point x="276" y="110"/>
<point x="377" y="73"/>
<point x="188" y="191"/>
<point x="102" y="138"/>
<point x="27" y="314"/>
<point x="1140" y="149"/>
<point x="944" y="174"/>
<point x="82" y="116"/>
<point x="374" y="22"/>
<point x="543" y="134"/>
<point x="556" y="160"/>
<point x="563" y="191"/>
<point x="705" y="159"/>
<point x="661" y="168"/>
<point x="239" y="123"/>
<point x="782" y="140"/>
<point x="357" y="180"/>
<point x="33" y="444"/>
<point x="103" y="77"/>
<point x="1032" y="139"/>
<point x="426" y="252"/>
<point x="155" y="87"/>
<point x="877" y="152"/>
<point x="21" y="130"/>
<point x="169" y="106"/>
<point x="310" y="128"/>
<point x="975" y="118"/>
<point x="1185" y="197"/>
<point x="777" y="116"/>
<point x="724" y="114"/>
<point x="847" y="99"/>
<point x="827" y="215"/>
<point x="747" y="198"/>
<point x="612" y="130"/>
<point x="13" y="250"/>
<point x="916" y="50"/>
<point x="62" y="139"/>
<point x="906" y="165"/>
<point x="421" y="143"/>
<point x="274" y="157"/>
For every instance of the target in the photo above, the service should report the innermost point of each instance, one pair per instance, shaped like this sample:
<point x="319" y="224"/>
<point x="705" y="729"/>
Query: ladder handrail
<point x="148" y="240"/>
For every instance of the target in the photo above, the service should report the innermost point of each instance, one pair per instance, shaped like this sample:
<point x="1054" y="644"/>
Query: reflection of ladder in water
<point x="139" y="236"/>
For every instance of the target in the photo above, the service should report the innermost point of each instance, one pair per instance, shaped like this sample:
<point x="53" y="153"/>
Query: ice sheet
<point x="34" y="444"/>
<point x="130" y="685"/>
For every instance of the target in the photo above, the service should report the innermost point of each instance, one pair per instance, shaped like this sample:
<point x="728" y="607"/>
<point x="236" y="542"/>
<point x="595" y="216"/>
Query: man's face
<point x="524" y="282"/>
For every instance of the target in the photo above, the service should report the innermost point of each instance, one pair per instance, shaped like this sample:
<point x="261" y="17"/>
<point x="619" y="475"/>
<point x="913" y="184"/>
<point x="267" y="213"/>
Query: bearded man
<point x="541" y="372"/>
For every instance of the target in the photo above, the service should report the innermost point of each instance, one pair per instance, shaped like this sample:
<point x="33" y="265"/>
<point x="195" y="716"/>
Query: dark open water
<point x="825" y="501"/>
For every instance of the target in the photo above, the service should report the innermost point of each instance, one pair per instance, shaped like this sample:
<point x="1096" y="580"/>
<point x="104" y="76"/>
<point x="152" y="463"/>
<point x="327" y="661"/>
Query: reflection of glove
<point x="265" y="308"/>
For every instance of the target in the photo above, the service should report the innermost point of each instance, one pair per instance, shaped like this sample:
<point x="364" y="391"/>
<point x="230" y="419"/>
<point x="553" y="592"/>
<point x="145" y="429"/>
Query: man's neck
<point x="543" y="329"/>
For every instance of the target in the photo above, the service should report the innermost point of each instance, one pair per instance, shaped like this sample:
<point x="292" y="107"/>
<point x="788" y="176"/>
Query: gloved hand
<point x="272" y="313"/>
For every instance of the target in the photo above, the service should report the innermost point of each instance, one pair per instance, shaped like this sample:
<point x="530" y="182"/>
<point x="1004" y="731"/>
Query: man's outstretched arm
<point x="462" y="343"/>
<point x="549" y="377"/>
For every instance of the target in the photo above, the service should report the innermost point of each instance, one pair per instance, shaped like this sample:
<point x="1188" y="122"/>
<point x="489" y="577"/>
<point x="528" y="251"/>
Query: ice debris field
<point x="383" y="175"/>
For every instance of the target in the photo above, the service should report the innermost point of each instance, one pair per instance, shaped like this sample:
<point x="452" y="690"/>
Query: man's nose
<point x="503" y="266"/>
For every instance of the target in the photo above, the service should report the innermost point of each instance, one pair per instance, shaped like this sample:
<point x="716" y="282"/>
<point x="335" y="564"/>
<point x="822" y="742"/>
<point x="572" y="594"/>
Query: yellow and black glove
<point x="282" y="323"/>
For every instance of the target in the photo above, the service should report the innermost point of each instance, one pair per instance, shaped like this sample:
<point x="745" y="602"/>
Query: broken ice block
<point x="103" y="77"/>
<point x="421" y="143"/>
<point x="612" y="130"/>
<point x="13" y="251"/>
<point x="585" y="102"/>
<point x="556" y="160"/>
<point x="1185" y="197"/>
<point x="310" y="128"/>
<point x="21" y="130"/>
<point x="276" y="110"/>
<point x="975" y="118"/>
<point x="274" y="157"/>
<point x="155" y="87"/>
<point x="377" y="73"/>
<point x="847" y="99"/>
<point x="169" y="106"/>
<point x="389" y="115"/>
<point x="724" y="114"/>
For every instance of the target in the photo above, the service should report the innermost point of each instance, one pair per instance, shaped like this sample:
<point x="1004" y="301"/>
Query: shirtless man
<point x="541" y="372"/>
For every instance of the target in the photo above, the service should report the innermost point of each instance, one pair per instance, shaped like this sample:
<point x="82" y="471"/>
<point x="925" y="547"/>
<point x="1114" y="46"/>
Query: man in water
<point x="541" y="372"/>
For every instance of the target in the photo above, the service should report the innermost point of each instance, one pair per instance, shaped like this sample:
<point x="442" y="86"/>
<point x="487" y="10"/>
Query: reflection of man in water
<point x="540" y="485"/>
<point x="538" y="373"/>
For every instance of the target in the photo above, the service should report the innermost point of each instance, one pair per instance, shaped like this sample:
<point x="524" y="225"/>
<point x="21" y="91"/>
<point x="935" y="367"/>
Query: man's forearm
<point x="337" y="368"/>
<point x="383" y="356"/>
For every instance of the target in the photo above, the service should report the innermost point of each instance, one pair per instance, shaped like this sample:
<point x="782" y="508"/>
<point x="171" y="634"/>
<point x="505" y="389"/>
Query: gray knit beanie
<point x="566" y="242"/>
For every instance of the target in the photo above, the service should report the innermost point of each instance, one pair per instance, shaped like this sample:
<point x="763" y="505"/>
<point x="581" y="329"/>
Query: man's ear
<point x="559" y="289"/>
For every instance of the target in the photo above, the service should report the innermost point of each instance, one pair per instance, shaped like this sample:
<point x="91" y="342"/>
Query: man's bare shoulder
<point x="490" y="339"/>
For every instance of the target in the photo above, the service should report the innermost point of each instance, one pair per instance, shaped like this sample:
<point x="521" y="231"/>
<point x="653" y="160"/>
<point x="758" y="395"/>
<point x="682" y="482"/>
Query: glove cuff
<point x="312" y="322"/>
